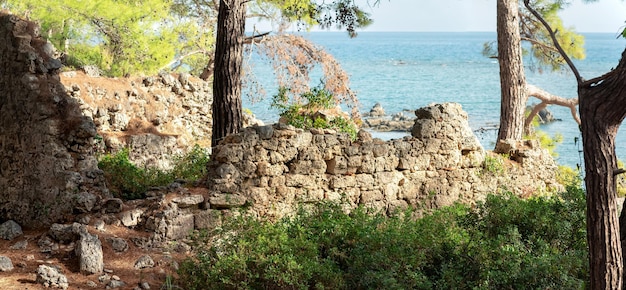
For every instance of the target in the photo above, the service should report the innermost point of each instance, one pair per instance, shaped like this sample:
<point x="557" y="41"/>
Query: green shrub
<point x="300" y="115"/>
<point x="503" y="243"/>
<point x="494" y="163"/>
<point x="127" y="181"/>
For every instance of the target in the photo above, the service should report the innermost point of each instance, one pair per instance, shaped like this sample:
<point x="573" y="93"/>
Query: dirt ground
<point x="26" y="261"/>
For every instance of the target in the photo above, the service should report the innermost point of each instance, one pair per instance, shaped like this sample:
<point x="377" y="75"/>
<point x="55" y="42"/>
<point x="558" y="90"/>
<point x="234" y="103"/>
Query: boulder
<point x="9" y="230"/>
<point x="50" y="277"/>
<point x="89" y="252"/>
<point x="5" y="264"/>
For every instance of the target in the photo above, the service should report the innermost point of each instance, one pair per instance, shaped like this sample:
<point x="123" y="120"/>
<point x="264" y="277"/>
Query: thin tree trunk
<point x="227" y="112"/>
<point x="512" y="80"/>
<point x="602" y="110"/>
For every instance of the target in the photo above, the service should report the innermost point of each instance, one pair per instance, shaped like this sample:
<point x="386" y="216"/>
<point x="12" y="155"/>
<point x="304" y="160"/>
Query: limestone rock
<point x="113" y="205"/>
<point x="222" y="201"/>
<point x="377" y="111"/>
<point x="9" y="230"/>
<point x="144" y="262"/>
<point x="5" y="264"/>
<point x="50" y="277"/>
<point x="89" y="252"/>
<point x="131" y="218"/>
<point x="118" y="244"/>
<point x="188" y="201"/>
<point x="19" y="245"/>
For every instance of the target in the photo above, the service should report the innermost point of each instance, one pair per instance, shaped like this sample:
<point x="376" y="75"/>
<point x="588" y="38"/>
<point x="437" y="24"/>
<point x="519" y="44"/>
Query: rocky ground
<point x="45" y="259"/>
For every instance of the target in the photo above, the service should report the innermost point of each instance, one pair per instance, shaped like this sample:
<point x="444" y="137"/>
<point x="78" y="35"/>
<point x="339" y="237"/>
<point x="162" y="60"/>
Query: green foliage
<point x="567" y="175"/>
<point x="342" y="14"/>
<point x="503" y="243"/>
<point x="542" y="50"/>
<point x="119" y="37"/>
<point x="303" y="115"/>
<point x="494" y="163"/>
<point x="127" y="181"/>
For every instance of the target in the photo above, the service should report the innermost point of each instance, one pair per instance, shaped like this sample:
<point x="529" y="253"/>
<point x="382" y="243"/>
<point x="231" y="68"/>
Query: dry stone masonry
<point x="155" y="117"/>
<point x="274" y="169"/>
<point x="47" y="162"/>
<point x="52" y="128"/>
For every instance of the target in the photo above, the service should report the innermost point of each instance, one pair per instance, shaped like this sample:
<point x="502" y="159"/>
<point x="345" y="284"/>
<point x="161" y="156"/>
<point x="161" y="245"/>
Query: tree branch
<point x="255" y="38"/>
<point x="180" y="58"/>
<point x="548" y="99"/>
<point x="579" y="79"/>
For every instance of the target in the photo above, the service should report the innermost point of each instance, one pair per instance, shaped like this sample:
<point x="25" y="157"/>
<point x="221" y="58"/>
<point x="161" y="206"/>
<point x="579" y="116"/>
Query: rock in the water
<point x="377" y="111"/>
<point x="50" y="277"/>
<point x="10" y="230"/>
<point x="5" y="264"/>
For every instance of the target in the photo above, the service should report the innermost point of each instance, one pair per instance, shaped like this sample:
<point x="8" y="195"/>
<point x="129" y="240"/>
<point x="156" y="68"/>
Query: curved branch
<point x="180" y="58"/>
<point x="571" y="65"/>
<point x="549" y="99"/>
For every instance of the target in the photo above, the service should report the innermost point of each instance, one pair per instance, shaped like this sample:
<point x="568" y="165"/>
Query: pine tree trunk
<point x="602" y="109"/>
<point x="227" y="113"/>
<point x="512" y="80"/>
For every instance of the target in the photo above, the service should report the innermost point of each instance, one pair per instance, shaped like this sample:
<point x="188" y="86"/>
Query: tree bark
<point x="602" y="110"/>
<point x="512" y="80"/>
<point x="227" y="112"/>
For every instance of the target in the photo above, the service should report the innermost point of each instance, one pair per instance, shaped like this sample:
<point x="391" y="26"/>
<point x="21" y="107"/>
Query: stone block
<point x="369" y="196"/>
<point x="207" y="219"/>
<point x="187" y="201"/>
<point x="90" y="256"/>
<point x="342" y="181"/>
<point x="180" y="226"/>
<point x="226" y="200"/>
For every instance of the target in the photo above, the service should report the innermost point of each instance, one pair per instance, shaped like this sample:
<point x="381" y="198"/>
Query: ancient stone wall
<point x="155" y="117"/>
<point x="274" y="169"/>
<point x="47" y="166"/>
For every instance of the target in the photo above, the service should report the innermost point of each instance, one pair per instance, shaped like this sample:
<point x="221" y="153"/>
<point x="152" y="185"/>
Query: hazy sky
<point x="480" y="15"/>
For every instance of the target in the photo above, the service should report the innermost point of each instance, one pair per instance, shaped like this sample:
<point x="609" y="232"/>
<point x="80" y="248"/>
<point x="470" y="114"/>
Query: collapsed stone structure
<point x="155" y="117"/>
<point x="274" y="169"/>
<point x="48" y="168"/>
<point x="52" y="127"/>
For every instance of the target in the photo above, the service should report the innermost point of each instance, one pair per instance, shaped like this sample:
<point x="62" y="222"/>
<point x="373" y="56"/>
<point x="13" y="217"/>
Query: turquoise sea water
<point x="409" y="70"/>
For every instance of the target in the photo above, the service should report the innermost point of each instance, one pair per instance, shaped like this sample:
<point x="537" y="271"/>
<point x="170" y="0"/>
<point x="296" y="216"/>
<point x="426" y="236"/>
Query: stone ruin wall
<point x="274" y="169"/>
<point x="54" y="126"/>
<point x="48" y="168"/>
<point x="155" y="117"/>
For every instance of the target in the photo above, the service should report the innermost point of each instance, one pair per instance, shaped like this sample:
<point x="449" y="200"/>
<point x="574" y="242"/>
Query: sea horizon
<point x="408" y="70"/>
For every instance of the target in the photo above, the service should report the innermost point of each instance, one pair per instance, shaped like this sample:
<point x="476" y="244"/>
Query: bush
<point x="302" y="115"/>
<point x="127" y="181"/>
<point x="504" y="242"/>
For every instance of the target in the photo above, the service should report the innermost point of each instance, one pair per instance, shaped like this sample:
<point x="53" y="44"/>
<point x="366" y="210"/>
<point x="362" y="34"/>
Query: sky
<point x="480" y="15"/>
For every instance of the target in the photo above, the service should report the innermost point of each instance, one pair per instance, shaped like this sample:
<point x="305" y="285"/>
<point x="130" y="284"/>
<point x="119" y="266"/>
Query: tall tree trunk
<point x="512" y="80"/>
<point x="227" y="113"/>
<point x="602" y="110"/>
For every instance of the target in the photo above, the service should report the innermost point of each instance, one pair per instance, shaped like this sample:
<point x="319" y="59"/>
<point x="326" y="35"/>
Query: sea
<point x="409" y="70"/>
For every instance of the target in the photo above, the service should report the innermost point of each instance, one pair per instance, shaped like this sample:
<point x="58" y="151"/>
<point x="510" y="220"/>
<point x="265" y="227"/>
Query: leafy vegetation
<point x="494" y="163"/>
<point x="119" y="37"/>
<point x="305" y="115"/>
<point x="128" y="181"/>
<point x="503" y="243"/>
